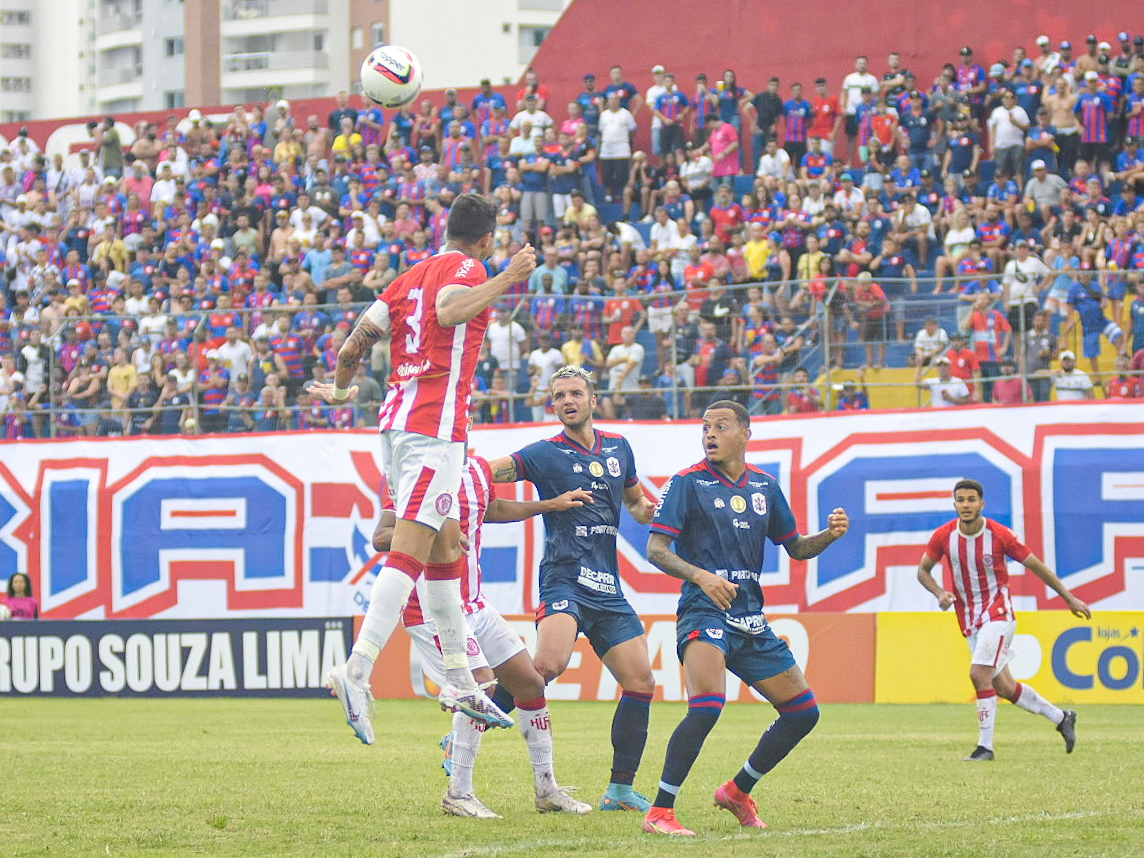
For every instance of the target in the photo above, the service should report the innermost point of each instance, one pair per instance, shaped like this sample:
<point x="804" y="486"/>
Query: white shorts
<point x="423" y="475"/>
<point x="992" y="644"/>
<point x="490" y="642"/>
<point x="659" y="319"/>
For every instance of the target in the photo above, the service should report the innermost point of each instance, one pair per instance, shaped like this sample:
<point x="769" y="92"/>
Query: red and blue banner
<point x="279" y="524"/>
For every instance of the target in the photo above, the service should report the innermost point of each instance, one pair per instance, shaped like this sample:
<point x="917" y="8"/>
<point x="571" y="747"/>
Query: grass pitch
<point x="286" y="778"/>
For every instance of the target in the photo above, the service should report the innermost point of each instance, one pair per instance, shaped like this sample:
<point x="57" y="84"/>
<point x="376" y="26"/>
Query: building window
<point x="531" y="38"/>
<point x="319" y="42"/>
<point x="377" y="33"/>
<point x="357" y="38"/>
<point x="16" y="116"/>
<point x="15" y="84"/>
<point x="175" y="99"/>
<point x="15" y="52"/>
<point x="173" y="47"/>
<point x="15" y="18"/>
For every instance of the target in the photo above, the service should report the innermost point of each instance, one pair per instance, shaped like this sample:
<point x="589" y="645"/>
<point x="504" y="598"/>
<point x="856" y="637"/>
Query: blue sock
<point x="685" y="744"/>
<point x="629" y="735"/>
<point x="503" y="699"/>
<point x="797" y="717"/>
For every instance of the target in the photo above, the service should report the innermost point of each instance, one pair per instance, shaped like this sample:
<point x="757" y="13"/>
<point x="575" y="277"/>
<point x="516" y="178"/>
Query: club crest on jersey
<point x="759" y="503"/>
<point x="560" y="605"/>
<point x="596" y="469"/>
<point x="987" y="560"/>
<point x="738" y="504"/>
<point x="577" y="468"/>
<point x="472" y="647"/>
<point x="613" y="466"/>
<point x="719" y="503"/>
<point x="444" y="503"/>
<point x="714" y="634"/>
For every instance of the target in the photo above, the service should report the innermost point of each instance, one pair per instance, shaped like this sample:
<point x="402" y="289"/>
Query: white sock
<point x="467" y="735"/>
<point x="387" y="599"/>
<point x="1031" y="701"/>
<point x="536" y="729"/>
<point x="986" y="717"/>
<point x="443" y="604"/>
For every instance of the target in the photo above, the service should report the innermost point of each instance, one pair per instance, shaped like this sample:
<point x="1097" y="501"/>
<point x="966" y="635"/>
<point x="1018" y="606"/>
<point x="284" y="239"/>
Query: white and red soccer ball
<point x="391" y="76"/>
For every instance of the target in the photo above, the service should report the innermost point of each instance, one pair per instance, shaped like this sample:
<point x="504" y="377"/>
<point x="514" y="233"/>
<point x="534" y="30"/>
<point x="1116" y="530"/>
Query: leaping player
<point x="436" y="314"/>
<point x="974" y="549"/>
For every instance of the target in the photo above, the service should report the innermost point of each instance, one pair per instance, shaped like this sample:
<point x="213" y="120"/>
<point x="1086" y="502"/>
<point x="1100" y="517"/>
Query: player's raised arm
<point x="718" y="590"/>
<point x="371" y="327"/>
<point x="504" y="510"/>
<point x="1035" y="565"/>
<point x="641" y="507"/>
<point x="926" y="579"/>
<point x="806" y="547"/>
<point x="457" y="304"/>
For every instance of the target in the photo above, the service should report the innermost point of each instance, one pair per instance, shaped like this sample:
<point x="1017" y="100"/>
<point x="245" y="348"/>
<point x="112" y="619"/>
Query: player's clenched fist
<point x="522" y="263"/>
<point x="838" y="522"/>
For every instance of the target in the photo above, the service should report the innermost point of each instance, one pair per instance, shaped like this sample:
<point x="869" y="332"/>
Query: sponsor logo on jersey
<point x="708" y="482"/>
<point x="408" y="370"/>
<point x="577" y="468"/>
<point x="759" y="503"/>
<point x="755" y="485"/>
<point x="738" y="504"/>
<point x="613" y="466"/>
<point x="581" y="530"/>
<point x="742" y="525"/>
<point x="444" y="503"/>
<point x="714" y="634"/>
<point x="560" y="605"/>
<point x="611" y="449"/>
<point x="465" y="267"/>
<point x="596" y="469"/>
<point x="719" y="504"/>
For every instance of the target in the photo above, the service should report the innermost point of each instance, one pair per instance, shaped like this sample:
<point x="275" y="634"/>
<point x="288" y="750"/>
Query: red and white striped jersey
<point x="978" y="570"/>
<point x="474" y="496"/>
<point x="433" y="365"/>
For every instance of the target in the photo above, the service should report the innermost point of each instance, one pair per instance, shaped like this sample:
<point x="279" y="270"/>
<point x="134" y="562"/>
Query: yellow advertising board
<point x="922" y="658"/>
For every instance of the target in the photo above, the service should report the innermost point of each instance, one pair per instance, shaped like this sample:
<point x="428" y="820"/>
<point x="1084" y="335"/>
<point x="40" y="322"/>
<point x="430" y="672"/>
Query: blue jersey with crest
<point x="722" y="526"/>
<point x="580" y="543"/>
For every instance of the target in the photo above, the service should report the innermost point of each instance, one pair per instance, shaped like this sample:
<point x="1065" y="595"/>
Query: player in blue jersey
<point x="580" y="589"/>
<point x="719" y="513"/>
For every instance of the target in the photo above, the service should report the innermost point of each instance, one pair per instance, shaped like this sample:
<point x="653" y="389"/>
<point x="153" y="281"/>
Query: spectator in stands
<point x="1070" y="382"/>
<point x="851" y="398"/>
<point x="803" y="397"/>
<point x="625" y="362"/>
<point x="945" y="390"/>
<point x="21" y="601"/>
<point x="929" y="342"/>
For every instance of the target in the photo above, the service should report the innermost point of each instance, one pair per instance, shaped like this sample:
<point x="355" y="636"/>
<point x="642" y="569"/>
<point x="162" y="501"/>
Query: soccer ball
<point x="5" y="612"/>
<point x="391" y="76"/>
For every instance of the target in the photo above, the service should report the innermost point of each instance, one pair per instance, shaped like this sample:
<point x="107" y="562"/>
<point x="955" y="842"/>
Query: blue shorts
<point x="1090" y="341"/>
<point x="752" y="658"/>
<point x="603" y="627"/>
<point x="1117" y="288"/>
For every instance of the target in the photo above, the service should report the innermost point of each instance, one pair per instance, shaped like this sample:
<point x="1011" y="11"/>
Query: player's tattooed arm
<point x="718" y="590"/>
<point x="505" y="470"/>
<point x="356" y="346"/>
<point x="806" y="547"/>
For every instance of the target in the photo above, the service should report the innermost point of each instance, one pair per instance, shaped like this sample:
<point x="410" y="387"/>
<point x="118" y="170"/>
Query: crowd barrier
<point x="907" y="657"/>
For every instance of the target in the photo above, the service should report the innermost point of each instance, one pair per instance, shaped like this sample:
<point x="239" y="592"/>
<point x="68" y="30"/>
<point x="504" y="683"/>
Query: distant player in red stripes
<point x="974" y="549"/>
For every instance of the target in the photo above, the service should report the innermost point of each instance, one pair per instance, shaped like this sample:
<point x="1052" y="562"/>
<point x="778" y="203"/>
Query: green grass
<point x="285" y="778"/>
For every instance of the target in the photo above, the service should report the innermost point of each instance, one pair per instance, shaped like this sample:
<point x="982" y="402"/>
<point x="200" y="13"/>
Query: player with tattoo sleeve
<point x="436" y="314"/>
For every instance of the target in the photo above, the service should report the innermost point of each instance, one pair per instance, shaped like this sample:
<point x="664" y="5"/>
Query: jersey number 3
<point x="413" y="320"/>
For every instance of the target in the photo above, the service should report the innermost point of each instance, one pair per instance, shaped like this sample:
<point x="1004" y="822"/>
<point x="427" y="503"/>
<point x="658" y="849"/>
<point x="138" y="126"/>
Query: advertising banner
<point x="836" y="651"/>
<point x="922" y="658"/>
<point x="172" y="658"/>
<point x="280" y="524"/>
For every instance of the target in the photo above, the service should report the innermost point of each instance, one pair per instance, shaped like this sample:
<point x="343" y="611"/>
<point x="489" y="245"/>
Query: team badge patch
<point x="719" y="503"/>
<point x="472" y="647"/>
<point x="738" y="504"/>
<point x="596" y="469"/>
<point x="987" y="560"/>
<point x="444" y="503"/>
<point x="714" y="634"/>
<point x="613" y="466"/>
<point x="560" y="605"/>
<point x="759" y="503"/>
<point x="577" y="468"/>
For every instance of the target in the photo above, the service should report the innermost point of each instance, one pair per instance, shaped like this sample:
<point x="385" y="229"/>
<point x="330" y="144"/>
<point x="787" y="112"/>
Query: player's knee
<point x="801" y="713"/>
<point x="547" y="670"/>
<point x="641" y="684"/>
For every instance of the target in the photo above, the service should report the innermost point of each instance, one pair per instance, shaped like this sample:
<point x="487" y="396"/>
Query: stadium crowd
<point x="198" y="277"/>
